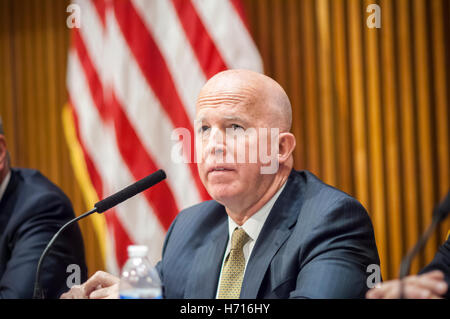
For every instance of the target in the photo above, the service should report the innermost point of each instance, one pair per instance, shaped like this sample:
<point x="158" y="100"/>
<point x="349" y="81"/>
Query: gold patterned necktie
<point x="233" y="267"/>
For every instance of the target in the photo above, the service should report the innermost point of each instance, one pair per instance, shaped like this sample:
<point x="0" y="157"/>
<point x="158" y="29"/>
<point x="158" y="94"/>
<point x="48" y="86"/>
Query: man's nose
<point x="216" y="142"/>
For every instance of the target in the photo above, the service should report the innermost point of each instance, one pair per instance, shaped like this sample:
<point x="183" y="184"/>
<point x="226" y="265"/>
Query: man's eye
<point x="236" y="127"/>
<point x="203" y="128"/>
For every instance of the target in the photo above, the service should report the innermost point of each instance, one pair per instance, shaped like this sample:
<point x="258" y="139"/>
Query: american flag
<point x="134" y="71"/>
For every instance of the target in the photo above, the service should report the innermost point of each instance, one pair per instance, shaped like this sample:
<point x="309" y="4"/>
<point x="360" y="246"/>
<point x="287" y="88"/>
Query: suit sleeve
<point x="45" y="217"/>
<point x="338" y="251"/>
<point x="159" y="265"/>
<point x="441" y="261"/>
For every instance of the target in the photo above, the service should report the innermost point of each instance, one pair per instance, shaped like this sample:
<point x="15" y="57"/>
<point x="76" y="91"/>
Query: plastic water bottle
<point x="139" y="280"/>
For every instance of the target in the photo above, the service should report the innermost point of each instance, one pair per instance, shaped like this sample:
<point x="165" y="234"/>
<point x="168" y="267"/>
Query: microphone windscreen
<point x="130" y="191"/>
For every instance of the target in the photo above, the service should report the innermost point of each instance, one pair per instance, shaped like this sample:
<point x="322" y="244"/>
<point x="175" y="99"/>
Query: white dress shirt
<point x="252" y="227"/>
<point x="4" y="184"/>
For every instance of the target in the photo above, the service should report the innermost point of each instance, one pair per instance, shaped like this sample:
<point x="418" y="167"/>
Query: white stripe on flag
<point x="230" y="34"/>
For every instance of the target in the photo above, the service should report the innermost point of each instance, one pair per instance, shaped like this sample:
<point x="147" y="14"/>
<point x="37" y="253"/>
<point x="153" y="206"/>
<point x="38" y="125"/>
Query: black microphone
<point x="99" y="207"/>
<point x="440" y="212"/>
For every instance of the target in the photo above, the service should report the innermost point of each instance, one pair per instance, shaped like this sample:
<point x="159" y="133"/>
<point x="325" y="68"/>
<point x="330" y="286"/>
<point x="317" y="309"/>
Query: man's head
<point x="236" y="102"/>
<point x="4" y="156"/>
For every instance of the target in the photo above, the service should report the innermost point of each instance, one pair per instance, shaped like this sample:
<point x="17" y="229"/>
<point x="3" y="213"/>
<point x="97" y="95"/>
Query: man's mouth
<point x="220" y="169"/>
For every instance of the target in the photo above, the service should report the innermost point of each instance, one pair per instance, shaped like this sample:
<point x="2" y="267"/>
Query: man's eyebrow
<point x="226" y="117"/>
<point x="232" y="118"/>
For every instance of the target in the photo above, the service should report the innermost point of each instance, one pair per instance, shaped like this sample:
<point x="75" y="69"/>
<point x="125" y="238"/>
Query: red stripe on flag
<point x="156" y="73"/>
<point x="237" y="4"/>
<point x="208" y="55"/>
<point x="100" y="7"/>
<point x="133" y="152"/>
<point x="120" y="235"/>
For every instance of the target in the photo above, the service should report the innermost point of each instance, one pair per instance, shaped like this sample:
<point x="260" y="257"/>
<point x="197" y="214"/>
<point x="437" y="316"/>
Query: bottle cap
<point x="137" y="251"/>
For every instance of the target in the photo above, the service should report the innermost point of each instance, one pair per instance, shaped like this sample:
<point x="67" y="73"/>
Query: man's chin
<point x="223" y="195"/>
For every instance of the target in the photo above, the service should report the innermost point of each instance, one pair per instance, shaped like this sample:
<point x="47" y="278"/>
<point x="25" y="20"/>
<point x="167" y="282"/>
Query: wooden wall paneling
<point x="442" y="113"/>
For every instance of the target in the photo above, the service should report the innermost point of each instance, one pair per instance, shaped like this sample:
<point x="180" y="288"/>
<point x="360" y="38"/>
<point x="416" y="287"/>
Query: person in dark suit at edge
<point x="32" y="209"/>
<point x="266" y="234"/>
<point x="432" y="282"/>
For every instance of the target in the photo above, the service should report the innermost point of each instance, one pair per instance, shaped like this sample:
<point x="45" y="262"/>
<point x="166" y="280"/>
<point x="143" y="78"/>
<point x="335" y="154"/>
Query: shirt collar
<point x="4" y="184"/>
<point x="254" y="224"/>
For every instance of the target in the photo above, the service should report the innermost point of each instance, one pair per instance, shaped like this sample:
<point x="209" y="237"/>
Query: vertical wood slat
<point x="53" y="114"/>
<point x="411" y="216"/>
<point x="40" y="79"/>
<point x="264" y="34"/>
<point x="309" y="63"/>
<point x="279" y="42"/>
<point x="295" y="85"/>
<point x="357" y="101"/>
<point x="394" y="234"/>
<point x="423" y="106"/>
<point x="341" y="82"/>
<point x="376" y="169"/>
<point x="325" y="87"/>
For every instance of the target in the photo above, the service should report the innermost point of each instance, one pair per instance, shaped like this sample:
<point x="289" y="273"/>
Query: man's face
<point x="227" y="131"/>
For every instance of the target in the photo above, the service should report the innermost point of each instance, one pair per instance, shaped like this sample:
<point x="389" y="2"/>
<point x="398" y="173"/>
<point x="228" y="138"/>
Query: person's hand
<point x="100" y="286"/>
<point x="426" y="286"/>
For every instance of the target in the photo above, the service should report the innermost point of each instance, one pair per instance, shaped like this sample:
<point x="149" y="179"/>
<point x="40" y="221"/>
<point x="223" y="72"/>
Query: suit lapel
<point x="6" y="205"/>
<point x="274" y="233"/>
<point x="205" y="271"/>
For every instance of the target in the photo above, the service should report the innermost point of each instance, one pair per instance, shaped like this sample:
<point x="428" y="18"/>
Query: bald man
<point x="270" y="231"/>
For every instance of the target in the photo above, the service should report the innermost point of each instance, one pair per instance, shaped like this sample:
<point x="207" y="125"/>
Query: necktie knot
<point x="239" y="238"/>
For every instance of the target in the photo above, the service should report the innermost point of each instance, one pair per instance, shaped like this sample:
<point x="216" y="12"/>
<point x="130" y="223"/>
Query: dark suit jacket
<point x="316" y="243"/>
<point x="31" y="211"/>
<point x="441" y="261"/>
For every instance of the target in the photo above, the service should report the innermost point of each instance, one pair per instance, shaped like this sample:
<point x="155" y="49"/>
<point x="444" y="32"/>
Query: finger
<point x="437" y="274"/>
<point x="100" y="278"/>
<point x="394" y="290"/>
<point x="380" y="291"/>
<point x="416" y="292"/>
<point x="76" y="292"/>
<point x="432" y="283"/>
<point x="105" y="293"/>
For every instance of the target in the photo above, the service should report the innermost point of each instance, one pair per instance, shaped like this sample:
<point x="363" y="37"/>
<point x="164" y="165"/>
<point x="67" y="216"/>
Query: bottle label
<point x="141" y="294"/>
<point x="134" y="297"/>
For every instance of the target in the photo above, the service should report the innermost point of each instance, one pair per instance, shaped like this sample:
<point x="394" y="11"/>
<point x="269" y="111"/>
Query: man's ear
<point x="3" y="153"/>
<point x="286" y="146"/>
